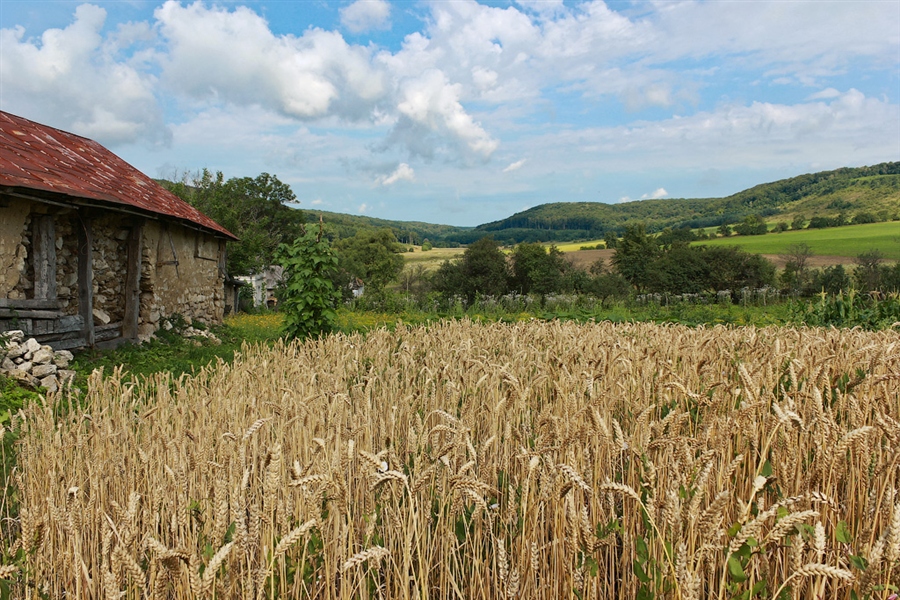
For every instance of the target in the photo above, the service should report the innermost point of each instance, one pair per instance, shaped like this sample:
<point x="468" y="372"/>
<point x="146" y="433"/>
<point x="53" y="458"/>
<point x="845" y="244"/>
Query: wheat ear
<point x="209" y="575"/>
<point x="374" y="553"/>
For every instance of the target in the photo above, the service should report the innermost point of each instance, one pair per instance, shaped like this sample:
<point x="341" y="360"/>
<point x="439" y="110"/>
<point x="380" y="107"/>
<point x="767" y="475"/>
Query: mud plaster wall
<point x="14" y="242"/>
<point x="194" y="288"/>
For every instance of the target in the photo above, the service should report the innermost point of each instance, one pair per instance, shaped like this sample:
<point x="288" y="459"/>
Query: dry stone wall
<point x="110" y="256"/>
<point x="14" y="243"/>
<point x="67" y="264"/>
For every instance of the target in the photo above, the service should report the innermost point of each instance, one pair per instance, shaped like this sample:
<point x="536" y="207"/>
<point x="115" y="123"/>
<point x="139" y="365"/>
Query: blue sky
<point x="464" y="112"/>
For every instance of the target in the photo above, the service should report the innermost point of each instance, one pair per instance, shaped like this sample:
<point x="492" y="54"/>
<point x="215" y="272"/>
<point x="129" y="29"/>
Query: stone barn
<point x="92" y="251"/>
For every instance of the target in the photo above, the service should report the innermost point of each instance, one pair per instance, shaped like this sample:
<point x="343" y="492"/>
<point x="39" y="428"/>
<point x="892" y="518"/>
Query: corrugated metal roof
<point x="38" y="157"/>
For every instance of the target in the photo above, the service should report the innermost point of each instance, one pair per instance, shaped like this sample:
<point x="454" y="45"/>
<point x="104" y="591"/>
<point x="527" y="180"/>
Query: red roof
<point x="38" y="157"/>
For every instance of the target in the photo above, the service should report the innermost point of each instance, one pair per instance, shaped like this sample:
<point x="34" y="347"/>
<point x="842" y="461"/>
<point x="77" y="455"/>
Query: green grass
<point x="850" y="240"/>
<point x="576" y="246"/>
<point x="171" y="352"/>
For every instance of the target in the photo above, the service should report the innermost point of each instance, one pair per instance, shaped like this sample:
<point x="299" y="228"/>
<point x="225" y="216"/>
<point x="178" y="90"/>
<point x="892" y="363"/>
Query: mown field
<point x="848" y="241"/>
<point x="457" y="460"/>
<point x="851" y="240"/>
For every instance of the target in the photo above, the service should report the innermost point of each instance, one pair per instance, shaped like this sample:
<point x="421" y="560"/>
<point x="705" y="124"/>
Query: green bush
<point x="308" y="297"/>
<point x="849" y="310"/>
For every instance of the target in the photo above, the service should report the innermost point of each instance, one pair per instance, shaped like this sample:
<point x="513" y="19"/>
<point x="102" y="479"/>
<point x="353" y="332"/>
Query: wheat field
<point x="457" y="460"/>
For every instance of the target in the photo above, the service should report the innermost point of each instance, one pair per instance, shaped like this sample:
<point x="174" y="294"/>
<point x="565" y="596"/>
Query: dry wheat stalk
<point x="375" y="553"/>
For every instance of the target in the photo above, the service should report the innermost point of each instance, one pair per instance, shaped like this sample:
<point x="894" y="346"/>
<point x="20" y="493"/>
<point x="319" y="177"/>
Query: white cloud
<point x="826" y="94"/>
<point x="848" y="130"/>
<point x="656" y="194"/>
<point x="71" y="79"/>
<point x="316" y="202"/>
<point x="430" y="103"/>
<point x="528" y="75"/>
<point x="514" y="166"/>
<point x="363" y="208"/>
<point x="403" y="172"/>
<point x="365" y="15"/>
<point x="215" y="55"/>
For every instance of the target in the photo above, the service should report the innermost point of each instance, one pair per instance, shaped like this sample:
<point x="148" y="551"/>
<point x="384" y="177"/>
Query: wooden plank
<point x="44" y="248"/>
<point x="86" y="275"/>
<point x="113" y="343"/>
<point x="36" y="304"/>
<point x="14" y="324"/>
<point x="107" y="334"/>
<point x="44" y="326"/>
<point x="46" y="338"/>
<point x="108" y="327"/>
<point x="12" y="313"/>
<point x="67" y="344"/>
<point x="133" y="282"/>
<point x="70" y="323"/>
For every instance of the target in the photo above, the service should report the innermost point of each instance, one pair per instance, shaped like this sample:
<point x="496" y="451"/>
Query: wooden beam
<point x="14" y="313"/>
<point x="44" y="248"/>
<point x="133" y="282"/>
<point x="86" y="275"/>
<point x="30" y="304"/>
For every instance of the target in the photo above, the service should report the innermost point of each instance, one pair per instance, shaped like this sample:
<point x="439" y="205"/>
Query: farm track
<point x="530" y="460"/>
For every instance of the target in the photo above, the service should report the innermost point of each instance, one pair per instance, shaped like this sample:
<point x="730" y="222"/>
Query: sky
<point x="462" y="112"/>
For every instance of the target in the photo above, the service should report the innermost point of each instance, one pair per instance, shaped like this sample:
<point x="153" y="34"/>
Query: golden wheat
<point x="530" y="460"/>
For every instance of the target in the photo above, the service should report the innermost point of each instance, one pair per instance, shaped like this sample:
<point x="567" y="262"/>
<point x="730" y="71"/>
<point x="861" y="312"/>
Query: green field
<point x="576" y="246"/>
<point x="851" y="240"/>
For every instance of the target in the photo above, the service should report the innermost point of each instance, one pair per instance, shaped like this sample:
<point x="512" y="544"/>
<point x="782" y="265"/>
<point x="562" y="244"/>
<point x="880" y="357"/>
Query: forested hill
<point x="873" y="190"/>
<point x="843" y="195"/>
<point x="340" y="225"/>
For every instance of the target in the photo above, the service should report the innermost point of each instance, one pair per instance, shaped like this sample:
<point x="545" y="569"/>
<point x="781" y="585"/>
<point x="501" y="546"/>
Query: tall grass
<point x="455" y="460"/>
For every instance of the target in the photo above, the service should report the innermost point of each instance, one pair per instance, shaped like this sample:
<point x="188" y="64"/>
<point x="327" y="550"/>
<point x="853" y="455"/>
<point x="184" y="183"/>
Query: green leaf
<point x="858" y="562"/>
<point x="592" y="566"/>
<point x="641" y="549"/>
<point x="736" y="570"/>
<point x="766" y="469"/>
<point x="644" y="593"/>
<point x="734" y="529"/>
<point x="842" y="533"/>
<point x="639" y="572"/>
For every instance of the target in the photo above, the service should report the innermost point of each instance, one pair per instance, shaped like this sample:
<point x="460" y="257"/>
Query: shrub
<point x="308" y="297"/>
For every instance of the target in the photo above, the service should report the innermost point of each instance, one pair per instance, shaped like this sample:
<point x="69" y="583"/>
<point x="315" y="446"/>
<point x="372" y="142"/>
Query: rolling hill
<point x="873" y="190"/>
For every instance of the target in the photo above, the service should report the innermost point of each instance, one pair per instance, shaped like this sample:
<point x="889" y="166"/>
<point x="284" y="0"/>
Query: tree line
<point x="258" y="210"/>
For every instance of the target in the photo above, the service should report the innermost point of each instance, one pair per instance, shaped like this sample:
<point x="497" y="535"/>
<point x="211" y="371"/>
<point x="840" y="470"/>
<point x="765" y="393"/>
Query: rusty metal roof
<point x="38" y="157"/>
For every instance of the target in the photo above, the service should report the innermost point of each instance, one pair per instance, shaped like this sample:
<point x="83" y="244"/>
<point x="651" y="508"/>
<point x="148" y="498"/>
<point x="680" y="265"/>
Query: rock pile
<point x="192" y="333"/>
<point x="31" y="363"/>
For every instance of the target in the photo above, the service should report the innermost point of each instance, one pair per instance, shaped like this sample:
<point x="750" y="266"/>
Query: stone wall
<point x="14" y="241"/>
<point x="67" y="263"/>
<point x="180" y="267"/>
<point x="16" y="265"/>
<point x="193" y="288"/>
<point x="110" y="264"/>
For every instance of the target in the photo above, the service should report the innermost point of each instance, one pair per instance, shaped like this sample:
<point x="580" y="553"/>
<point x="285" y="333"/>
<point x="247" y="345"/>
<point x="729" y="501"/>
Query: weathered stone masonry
<point x="181" y="270"/>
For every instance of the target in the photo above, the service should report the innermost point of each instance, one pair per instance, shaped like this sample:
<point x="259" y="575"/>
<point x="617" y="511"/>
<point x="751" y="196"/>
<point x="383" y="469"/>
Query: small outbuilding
<point x="92" y="251"/>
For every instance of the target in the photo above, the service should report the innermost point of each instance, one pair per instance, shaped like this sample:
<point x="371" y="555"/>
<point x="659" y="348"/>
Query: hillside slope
<point x="342" y="225"/>
<point x="847" y="191"/>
